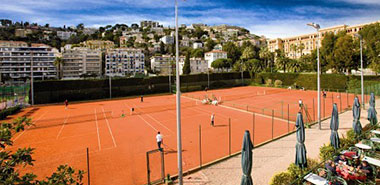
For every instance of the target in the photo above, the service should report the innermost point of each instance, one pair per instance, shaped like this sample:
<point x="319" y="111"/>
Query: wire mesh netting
<point x="11" y="96"/>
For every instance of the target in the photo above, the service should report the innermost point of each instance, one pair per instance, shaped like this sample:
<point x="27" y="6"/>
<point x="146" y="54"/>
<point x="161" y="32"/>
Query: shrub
<point x="282" y="178"/>
<point x="269" y="83"/>
<point x="278" y="83"/>
<point x="326" y="152"/>
<point x="296" y="171"/>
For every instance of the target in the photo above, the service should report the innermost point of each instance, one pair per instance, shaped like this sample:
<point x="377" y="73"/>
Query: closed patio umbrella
<point x="246" y="159"/>
<point x="372" y="113"/>
<point x="356" y="114"/>
<point x="334" y="126"/>
<point x="301" y="160"/>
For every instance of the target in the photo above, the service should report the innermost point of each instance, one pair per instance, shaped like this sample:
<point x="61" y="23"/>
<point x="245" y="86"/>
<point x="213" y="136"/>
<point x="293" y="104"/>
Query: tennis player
<point x="66" y="104"/>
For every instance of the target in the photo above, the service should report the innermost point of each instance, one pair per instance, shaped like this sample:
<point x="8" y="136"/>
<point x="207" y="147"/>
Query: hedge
<point x="9" y="111"/>
<point x="308" y="81"/>
<point x="77" y="90"/>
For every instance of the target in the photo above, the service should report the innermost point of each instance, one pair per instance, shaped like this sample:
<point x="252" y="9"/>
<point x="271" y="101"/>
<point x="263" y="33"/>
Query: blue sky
<point x="272" y="18"/>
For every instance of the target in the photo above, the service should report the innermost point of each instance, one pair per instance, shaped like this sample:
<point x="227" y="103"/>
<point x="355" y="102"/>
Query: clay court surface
<point x="118" y="145"/>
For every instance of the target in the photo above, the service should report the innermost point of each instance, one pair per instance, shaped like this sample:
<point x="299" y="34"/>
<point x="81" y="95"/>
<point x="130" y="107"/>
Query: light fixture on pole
<point x="361" y="66"/>
<point x="317" y="27"/>
<point x="178" y="97"/>
<point x="31" y="77"/>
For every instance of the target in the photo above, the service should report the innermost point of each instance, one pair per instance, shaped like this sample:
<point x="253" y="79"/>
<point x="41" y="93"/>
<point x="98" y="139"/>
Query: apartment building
<point x="98" y="44"/>
<point x="80" y="62"/>
<point x="23" y="32"/>
<point x="152" y="24"/>
<point x="65" y="35"/>
<point x="124" y="62"/>
<point x="295" y="47"/>
<point x="166" y="63"/>
<point x="167" y="39"/>
<point x="18" y="61"/>
<point x="211" y="56"/>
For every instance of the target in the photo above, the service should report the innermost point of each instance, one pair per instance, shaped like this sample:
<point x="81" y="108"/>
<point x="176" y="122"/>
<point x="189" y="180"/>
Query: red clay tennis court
<point x="118" y="145"/>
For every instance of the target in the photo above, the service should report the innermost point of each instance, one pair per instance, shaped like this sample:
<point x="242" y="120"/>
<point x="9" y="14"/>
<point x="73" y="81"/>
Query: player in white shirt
<point x="159" y="140"/>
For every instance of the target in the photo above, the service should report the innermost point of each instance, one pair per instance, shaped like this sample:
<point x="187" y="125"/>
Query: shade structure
<point x="356" y="114"/>
<point x="372" y="113"/>
<point x="334" y="126"/>
<point x="246" y="159"/>
<point x="301" y="160"/>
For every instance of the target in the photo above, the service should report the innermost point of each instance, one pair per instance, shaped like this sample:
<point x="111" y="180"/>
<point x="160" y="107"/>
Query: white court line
<point x="64" y="123"/>
<point x="97" y="130"/>
<point x="259" y="114"/>
<point x="156" y="121"/>
<point x="109" y="129"/>
<point x="144" y="120"/>
<point x="29" y="126"/>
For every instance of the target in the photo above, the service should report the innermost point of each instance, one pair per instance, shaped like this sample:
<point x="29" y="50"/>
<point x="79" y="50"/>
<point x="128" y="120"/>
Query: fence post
<point x="324" y="107"/>
<point x="88" y="166"/>
<point x="229" y="136"/>
<point x="200" y="146"/>
<point x="253" y="129"/>
<point x="348" y="103"/>
<point x="282" y="109"/>
<point x="313" y="110"/>
<point x="272" y="121"/>
<point x="247" y="108"/>
<point x="332" y="98"/>
<point x="340" y="100"/>
<point x="288" y="119"/>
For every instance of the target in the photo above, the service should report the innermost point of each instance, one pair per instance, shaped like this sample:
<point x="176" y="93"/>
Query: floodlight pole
<point x="208" y="78"/>
<point x="178" y="92"/>
<point x="317" y="27"/>
<point x="361" y="65"/>
<point x="170" y="75"/>
<point x="110" y="80"/>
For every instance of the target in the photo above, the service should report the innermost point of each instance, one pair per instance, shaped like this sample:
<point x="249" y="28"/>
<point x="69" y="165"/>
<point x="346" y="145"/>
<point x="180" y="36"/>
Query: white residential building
<point x="65" y="35"/>
<point x="124" y="62"/>
<point x="152" y="24"/>
<point x="79" y="62"/>
<point x="211" y="56"/>
<point x="167" y="39"/>
<point x="166" y="63"/>
<point x="197" y="45"/>
<point x="17" y="61"/>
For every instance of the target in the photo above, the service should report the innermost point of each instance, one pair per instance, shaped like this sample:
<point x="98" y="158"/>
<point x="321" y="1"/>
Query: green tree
<point x="266" y="56"/>
<point x="344" y="55"/>
<point x="248" y="53"/>
<point x="186" y="67"/>
<point x="371" y="35"/>
<point x="13" y="161"/>
<point x="327" y="51"/>
<point x="197" y="53"/>
<point x="219" y="64"/>
<point x="233" y="52"/>
<point x="162" y="48"/>
<point x="281" y="60"/>
<point x="58" y="62"/>
<point x="209" y="45"/>
<point x="254" y="66"/>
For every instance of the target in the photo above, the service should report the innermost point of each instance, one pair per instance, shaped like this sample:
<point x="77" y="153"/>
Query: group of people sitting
<point x="212" y="101"/>
<point x="348" y="168"/>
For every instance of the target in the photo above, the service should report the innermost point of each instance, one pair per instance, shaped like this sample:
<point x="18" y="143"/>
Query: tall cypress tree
<point x="186" y="67"/>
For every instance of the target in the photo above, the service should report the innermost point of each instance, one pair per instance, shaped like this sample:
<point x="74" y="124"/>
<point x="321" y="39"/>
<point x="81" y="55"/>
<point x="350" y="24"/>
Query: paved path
<point x="273" y="157"/>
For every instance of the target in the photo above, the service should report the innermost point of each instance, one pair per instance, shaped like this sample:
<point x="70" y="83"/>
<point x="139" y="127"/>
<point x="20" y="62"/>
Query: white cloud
<point x="9" y="8"/>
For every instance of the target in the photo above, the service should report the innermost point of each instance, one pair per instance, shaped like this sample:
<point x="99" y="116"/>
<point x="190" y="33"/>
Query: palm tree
<point x="265" y="55"/>
<point x="301" y="47"/>
<point x="293" y="47"/>
<point x="281" y="59"/>
<point x="58" y="62"/>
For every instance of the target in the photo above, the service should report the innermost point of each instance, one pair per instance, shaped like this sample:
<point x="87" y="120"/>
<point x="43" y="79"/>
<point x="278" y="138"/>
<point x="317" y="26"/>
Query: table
<point x="375" y="131"/>
<point x="363" y="146"/>
<point x="375" y="139"/>
<point x="315" y="179"/>
<point x="372" y="161"/>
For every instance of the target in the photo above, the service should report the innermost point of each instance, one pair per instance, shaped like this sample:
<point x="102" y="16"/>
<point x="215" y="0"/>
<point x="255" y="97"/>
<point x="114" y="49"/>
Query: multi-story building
<point x="65" y="35"/>
<point x="98" y="44"/>
<point x="167" y="39"/>
<point x="18" y="62"/>
<point x="80" y="62"/>
<point x="166" y="63"/>
<point x="197" y="45"/>
<point x="152" y="24"/>
<point x="211" y="56"/>
<point x="295" y="47"/>
<point x="124" y="62"/>
<point x="23" y="32"/>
